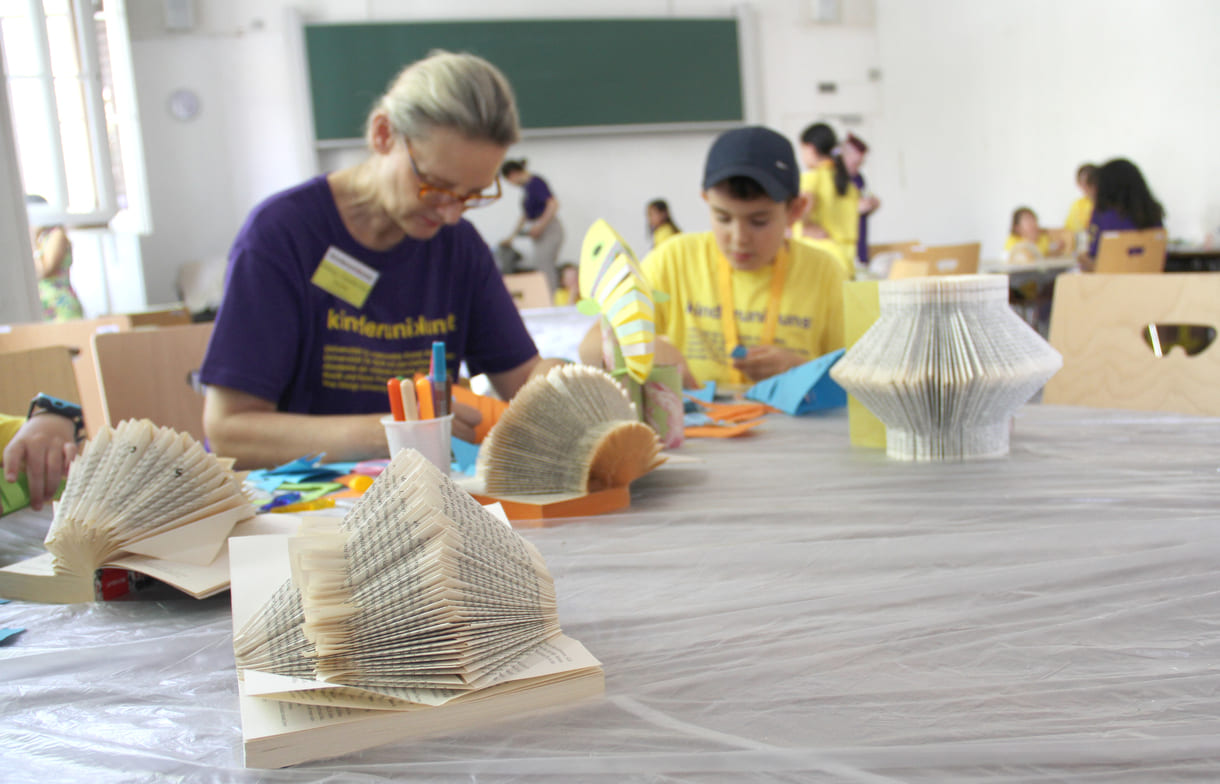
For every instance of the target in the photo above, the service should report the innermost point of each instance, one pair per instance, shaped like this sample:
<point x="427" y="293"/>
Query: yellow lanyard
<point x="728" y="314"/>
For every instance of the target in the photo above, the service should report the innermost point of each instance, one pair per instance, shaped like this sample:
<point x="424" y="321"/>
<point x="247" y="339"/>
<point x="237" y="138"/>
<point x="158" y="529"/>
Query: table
<point x="1192" y="258"/>
<point x="788" y="608"/>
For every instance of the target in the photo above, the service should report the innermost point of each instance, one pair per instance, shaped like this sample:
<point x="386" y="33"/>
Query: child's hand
<point x="42" y="449"/>
<point x="765" y="361"/>
<point x="465" y="420"/>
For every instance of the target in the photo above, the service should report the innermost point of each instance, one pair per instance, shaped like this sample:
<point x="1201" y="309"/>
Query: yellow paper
<point x="861" y="308"/>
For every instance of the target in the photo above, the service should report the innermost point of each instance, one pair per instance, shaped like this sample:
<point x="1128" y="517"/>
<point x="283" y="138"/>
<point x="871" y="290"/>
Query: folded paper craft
<point x="803" y="389"/>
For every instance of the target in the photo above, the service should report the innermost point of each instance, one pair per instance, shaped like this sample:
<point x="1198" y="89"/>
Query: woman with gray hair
<point x="346" y="280"/>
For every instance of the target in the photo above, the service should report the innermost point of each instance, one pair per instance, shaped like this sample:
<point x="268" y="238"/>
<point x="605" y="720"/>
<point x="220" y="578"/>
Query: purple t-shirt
<point x="862" y="235"/>
<point x="537" y="192"/>
<point x="280" y="337"/>
<point x="1110" y="220"/>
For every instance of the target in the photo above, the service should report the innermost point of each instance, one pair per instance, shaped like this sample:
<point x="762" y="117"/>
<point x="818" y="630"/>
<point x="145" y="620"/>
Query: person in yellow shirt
<point x="41" y="446"/>
<point x="1027" y="240"/>
<point x="744" y="284"/>
<point x="832" y="217"/>
<point x="1082" y="209"/>
<point x="567" y="292"/>
<point x="660" y="223"/>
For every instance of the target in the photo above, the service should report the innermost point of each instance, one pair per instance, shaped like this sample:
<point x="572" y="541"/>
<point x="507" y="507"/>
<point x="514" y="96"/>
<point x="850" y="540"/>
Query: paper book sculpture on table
<point x="945" y="366"/>
<point x="142" y="498"/>
<point x="613" y="284"/>
<point x="417" y="613"/>
<point x="570" y="443"/>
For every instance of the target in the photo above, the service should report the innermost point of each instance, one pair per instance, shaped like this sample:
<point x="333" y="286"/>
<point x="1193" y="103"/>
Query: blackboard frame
<point x="348" y="65"/>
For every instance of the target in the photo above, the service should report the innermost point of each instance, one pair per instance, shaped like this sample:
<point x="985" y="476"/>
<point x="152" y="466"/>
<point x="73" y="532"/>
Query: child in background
<point x="1027" y="241"/>
<point x="41" y="447"/>
<point x="660" y="224"/>
<point x="52" y="260"/>
<point x="832" y="219"/>
<point x="1077" y="220"/>
<point x="1124" y="202"/>
<point x="567" y="292"/>
<point x="743" y="283"/>
<point x="853" y="152"/>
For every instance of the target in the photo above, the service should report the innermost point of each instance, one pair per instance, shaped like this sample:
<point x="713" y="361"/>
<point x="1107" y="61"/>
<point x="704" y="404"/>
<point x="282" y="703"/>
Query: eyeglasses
<point x="1191" y="338"/>
<point x="435" y="196"/>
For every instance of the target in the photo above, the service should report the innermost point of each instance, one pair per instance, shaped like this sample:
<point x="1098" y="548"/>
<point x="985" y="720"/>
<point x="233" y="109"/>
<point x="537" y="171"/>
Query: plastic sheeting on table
<point x="788" y="609"/>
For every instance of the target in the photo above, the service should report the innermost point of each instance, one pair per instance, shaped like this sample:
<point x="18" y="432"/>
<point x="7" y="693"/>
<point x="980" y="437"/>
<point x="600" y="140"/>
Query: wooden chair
<point x="1066" y="240"/>
<point x="1132" y="252"/>
<point x="529" y="289"/>
<point x="149" y="374"/>
<point x="1098" y="324"/>
<point x="891" y="247"/>
<point x="949" y="259"/>
<point x="909" y="268"/>
<point x="24" y="374"/>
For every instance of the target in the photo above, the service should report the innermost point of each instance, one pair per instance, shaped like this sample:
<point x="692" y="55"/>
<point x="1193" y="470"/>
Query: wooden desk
<point x="788" y="609"/>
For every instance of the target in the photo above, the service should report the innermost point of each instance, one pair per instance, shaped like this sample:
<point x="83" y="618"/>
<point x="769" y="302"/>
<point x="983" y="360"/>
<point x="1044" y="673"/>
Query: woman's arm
<point x="516" y="230"/>
<point x="250" y="430"/>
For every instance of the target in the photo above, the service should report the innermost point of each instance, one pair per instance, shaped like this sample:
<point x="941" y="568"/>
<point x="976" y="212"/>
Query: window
<point x="70" y="84"/>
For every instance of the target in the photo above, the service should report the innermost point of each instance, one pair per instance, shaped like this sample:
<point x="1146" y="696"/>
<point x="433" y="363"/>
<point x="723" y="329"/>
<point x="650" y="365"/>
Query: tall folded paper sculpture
<point x="945" y="366"/>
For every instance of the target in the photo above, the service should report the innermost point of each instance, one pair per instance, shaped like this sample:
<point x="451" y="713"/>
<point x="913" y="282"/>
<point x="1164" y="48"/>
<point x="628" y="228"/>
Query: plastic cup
<point x="430" y="437"/>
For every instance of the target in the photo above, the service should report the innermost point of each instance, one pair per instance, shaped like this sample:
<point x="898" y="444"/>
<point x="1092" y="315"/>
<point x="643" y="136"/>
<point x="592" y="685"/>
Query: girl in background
<point x="832" y="220"/>
<point x="1124" y="202"/>
<point x="1082" y="209"/>
<point x="52" y="260"/>
<point x="539" y="208"/>
<point x="567" y="292"/>
<point x="660" y="224"/>
<point x="853" y="151"/>
<point x="1027" y="241"/>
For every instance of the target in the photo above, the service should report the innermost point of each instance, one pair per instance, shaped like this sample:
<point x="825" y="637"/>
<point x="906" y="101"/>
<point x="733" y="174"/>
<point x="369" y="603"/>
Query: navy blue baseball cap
<point x="759" y="153"/>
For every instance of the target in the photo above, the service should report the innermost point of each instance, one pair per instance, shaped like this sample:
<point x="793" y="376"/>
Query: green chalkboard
<point x="569" y="73"/>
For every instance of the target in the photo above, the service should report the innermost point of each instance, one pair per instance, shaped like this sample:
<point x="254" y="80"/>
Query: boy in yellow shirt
<point x="743" y="284"/>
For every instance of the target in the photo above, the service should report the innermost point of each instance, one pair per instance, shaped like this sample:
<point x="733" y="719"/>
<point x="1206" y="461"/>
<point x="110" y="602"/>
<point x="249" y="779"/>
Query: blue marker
<point x="439" y="377"/>
<point x="739" y="352"/>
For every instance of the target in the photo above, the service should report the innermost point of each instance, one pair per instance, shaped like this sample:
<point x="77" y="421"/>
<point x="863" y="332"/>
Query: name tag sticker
<point x="344" y="276"/>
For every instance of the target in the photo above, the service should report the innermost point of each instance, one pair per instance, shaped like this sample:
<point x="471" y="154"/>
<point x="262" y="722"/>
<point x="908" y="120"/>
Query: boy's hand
<point x="765" y="361"/>
<point x="43" y="448"/>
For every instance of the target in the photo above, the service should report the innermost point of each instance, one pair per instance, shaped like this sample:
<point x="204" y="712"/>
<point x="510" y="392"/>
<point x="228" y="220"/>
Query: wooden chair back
<point x="151" y="374"/>
<point x="909" y="268"/>
<point x="900" y="248"/>
<point x="25" y="373"/>
<point x="949" y="259"/>
<point x="1066" y="240"/>
<point x="529" y="289"/>
<point x="1132" y="252"/>
<point x="1098" y="324"/>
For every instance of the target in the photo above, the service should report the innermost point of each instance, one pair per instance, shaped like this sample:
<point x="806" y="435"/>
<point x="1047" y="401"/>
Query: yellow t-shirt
<point x="662" y="233"/>
<point x="1078" y="215"/>
<point x="9" y="425"/>
<point x="838" y="215"/>
<point x="562" y="298"/>
<point x="1043" y="244"/>
<point x="687" y="267"/>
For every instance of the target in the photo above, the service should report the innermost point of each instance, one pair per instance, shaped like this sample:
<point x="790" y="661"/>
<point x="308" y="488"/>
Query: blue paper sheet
<point x="707" y="395"/>
<point x="803" y="389"/>
<point x="465" y="454"/>
<point x="6" y="634"/>
<point x="303" y="470"/>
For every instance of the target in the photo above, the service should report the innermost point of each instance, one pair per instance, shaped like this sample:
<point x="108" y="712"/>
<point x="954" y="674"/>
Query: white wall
<point x="981" y="106"/>
<point x="988" y="105"/>
<point x="247" y="141"/>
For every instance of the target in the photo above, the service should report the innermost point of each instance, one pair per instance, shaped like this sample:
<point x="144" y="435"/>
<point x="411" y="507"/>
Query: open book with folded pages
<point x="418" y="612"/>
<point x="142" y="498"/>
<point x="570" y="443"/>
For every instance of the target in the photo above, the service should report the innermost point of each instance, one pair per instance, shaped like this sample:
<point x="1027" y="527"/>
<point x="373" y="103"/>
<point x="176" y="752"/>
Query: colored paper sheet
<point x="803" y="389"/>
<point x="13" y="495"/>
<point x="465" y="455"/>
<point x="722" y="431"/>
<point x="8" y="634"/>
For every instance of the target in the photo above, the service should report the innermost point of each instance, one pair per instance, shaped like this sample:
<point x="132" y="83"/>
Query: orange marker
<point x="423" y="395"/>
<point x="394" y="392"/>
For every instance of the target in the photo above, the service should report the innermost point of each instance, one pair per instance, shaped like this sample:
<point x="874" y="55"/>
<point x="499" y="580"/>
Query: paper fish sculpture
<point x="611" y="278"/>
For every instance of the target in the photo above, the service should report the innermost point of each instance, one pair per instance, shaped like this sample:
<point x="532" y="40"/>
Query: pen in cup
<point x="439" y="376"/>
